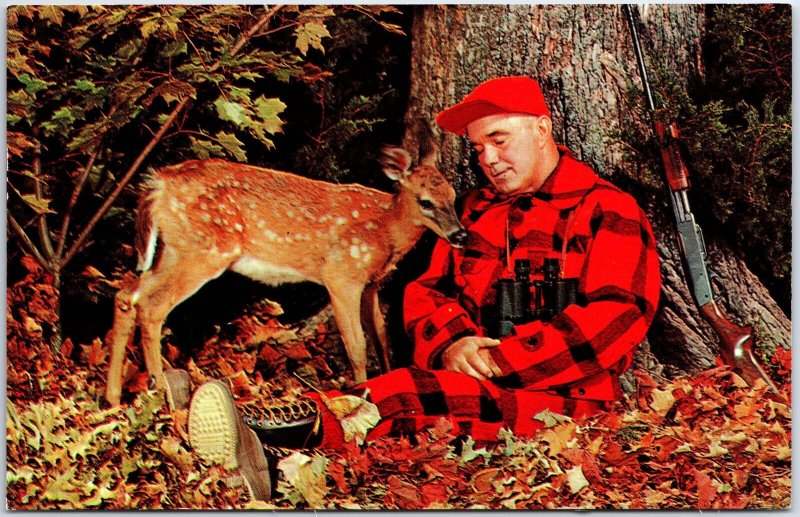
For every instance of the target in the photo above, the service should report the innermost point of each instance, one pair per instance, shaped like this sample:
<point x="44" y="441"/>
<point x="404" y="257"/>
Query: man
<point x="541" y="204"/>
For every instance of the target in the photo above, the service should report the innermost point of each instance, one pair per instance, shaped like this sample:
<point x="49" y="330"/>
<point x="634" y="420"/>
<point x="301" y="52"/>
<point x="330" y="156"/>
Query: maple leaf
<point x="356" y="415"/>
<point x="310" y="35"/>
<point x="304" y="477"/>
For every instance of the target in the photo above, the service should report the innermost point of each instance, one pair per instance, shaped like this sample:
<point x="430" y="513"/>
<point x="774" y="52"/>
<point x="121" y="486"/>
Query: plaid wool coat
<point x="569" y="365"/>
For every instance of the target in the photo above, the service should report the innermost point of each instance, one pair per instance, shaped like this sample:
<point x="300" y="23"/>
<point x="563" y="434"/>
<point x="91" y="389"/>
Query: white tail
<point x="201" y="218"/>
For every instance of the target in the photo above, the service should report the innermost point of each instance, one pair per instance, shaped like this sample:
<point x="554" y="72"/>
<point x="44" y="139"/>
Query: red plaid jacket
<point x="600" y="236"/>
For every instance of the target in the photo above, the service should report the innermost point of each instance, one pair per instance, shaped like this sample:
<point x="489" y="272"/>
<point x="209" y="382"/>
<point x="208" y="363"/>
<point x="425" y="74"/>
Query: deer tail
<point x="146" y="228"/>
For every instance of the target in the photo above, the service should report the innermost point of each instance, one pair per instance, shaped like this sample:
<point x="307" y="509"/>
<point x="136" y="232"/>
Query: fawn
<point x="200" y="218"/>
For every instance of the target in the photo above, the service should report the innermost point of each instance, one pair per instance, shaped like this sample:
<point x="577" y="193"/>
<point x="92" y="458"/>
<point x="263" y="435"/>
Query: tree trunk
<point x="582" y="57"/>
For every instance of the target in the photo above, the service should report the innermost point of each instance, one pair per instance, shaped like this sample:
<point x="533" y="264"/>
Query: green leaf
<point x="311" y="34"/>
<point x="174" y="48"/>
<point x="205" y="149"/>
<point x="232" y="145"/>
<point x="38" y="204"/>
<point x="149" y="27"/>
<point x="33" y="85"/>
<point x="268" y="111"/>
<point x="232" y="112"/>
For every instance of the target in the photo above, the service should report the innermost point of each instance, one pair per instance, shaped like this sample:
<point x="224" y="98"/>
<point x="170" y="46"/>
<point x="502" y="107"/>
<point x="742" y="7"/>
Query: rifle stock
<point x="736" y="349"/>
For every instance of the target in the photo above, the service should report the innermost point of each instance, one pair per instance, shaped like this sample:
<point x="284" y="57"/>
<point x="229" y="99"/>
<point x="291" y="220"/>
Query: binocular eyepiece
<point x="520" y="301"/>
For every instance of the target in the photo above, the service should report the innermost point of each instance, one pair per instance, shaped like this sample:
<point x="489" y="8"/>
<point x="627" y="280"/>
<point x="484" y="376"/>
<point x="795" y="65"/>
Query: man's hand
<point x="469" y="355"/>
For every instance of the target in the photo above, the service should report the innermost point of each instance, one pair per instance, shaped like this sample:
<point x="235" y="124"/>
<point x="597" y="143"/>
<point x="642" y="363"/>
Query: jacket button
<point x="525" y="203"/>
<point x="581" y="391"/>
<point x="428" y="331"/>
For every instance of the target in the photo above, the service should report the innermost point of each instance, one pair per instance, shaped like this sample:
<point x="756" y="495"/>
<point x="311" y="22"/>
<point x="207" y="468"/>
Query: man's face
<point x="510" y="149"/>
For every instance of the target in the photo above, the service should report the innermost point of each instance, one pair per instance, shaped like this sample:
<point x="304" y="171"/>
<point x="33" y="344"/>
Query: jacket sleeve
<point x="621" y="284"/>
<point x="432" y="315"/>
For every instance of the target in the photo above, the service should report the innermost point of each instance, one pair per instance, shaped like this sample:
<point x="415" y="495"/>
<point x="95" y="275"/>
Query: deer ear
<point x="396" y="163"/>
<point x="428" y="150"/>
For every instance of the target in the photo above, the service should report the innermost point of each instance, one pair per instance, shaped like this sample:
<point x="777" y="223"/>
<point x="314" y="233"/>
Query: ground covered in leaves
<point x="707" y="442"/>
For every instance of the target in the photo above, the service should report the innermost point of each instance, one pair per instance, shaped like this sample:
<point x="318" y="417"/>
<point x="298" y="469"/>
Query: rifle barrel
<point x="651" y="105"/>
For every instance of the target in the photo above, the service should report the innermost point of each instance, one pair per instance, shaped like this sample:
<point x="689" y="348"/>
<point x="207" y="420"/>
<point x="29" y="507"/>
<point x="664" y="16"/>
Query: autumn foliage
<point x="708" y="442"/>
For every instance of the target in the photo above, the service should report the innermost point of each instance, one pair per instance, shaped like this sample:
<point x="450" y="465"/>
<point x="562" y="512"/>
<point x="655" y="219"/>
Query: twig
<point x="62" y="238"/>
<point x="28" y="242"/>
<point x="44" y="231"/>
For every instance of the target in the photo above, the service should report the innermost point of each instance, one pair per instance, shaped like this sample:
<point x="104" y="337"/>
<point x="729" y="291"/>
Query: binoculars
<point x="520" y="301"/>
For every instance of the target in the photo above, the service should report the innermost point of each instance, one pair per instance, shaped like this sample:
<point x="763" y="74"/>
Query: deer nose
<point x="458" y="238"/>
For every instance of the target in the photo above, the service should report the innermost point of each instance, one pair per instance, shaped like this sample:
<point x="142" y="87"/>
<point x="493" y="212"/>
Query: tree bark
<point x="583" y="58"/>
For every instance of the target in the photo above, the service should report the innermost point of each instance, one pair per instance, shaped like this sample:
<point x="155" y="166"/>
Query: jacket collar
<point x="563" y="189"/>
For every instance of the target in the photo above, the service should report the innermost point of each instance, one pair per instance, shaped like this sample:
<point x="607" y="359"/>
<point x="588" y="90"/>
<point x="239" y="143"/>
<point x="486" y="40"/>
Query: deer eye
<point x="426" y="204"/>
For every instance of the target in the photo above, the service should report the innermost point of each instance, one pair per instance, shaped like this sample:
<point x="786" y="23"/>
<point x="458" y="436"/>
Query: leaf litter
<point x="707" y="442"/>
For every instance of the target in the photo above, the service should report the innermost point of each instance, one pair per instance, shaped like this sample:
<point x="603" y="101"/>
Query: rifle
<point x="736" y="349"/>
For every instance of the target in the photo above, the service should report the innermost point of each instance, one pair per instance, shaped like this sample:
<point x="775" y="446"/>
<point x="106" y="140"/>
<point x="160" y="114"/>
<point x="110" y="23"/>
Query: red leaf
<point x="705" y="491"/>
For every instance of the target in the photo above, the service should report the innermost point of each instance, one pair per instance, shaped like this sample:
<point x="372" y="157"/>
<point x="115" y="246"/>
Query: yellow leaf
<point x="783" y="452"/>
<point x="173" y="450"/>
<point x="63" y="488"/>
<point x="663" y="401"/>
<point x="716" y="449"/>
<point x="577" y="481"/>
<point x="307" y="476"/>
<point x="311" y="34"/>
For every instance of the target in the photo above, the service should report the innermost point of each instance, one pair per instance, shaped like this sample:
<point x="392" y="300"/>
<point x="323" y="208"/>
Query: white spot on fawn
<point x="354" y="252"/>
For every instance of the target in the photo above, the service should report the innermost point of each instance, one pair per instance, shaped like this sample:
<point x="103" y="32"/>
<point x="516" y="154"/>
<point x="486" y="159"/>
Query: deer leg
<point x="161" y="291"/>
<point x="346" y="302"/>
<point x="118" y="338"/>
<point x="372" y="317"/>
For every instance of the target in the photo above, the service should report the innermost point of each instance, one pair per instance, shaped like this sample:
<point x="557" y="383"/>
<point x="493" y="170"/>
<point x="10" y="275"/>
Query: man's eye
<point x="425" y="204"/>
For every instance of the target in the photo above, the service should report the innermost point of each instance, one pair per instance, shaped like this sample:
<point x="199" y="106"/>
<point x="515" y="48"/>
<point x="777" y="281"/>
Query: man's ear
<point x="544" y="129"/>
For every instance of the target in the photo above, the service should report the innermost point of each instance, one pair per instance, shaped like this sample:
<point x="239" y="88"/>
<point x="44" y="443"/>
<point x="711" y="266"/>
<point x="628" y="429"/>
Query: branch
<point x="28" y="242"/>
<point x="76" y="192"/>
<point x="41" y="219"/>
<point x="78" y="244"/>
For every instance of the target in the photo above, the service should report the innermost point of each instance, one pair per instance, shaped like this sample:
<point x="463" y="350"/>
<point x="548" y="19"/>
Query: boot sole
<point x="212" y="425"/>
<point x="218" y="435"/>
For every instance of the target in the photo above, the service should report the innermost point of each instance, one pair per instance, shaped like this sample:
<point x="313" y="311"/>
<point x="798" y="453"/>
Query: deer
<point x="197" y="219"/>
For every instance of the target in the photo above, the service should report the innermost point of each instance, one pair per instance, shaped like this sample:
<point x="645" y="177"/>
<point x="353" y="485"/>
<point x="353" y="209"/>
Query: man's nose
<point x="489" y="156"/>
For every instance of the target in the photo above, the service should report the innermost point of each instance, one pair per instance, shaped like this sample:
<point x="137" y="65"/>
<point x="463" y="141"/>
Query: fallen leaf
<point x="663" y="400"/>
<point x="550" y="419"/>
<point x="307" y="476"/>
<point x="356" y="415"/>
<point x="705" y="490"/>
<point x="577" y="481"/>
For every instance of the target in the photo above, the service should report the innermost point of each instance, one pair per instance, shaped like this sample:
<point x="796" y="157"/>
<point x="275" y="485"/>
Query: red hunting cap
<point x="516" y="94"/>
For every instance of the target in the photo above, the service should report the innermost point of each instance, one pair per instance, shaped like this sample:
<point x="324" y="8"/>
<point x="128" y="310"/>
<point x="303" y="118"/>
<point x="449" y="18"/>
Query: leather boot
<point x="219" y="436"/>
<point x="179" y="388"/>
<point x="293" y="425"/>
